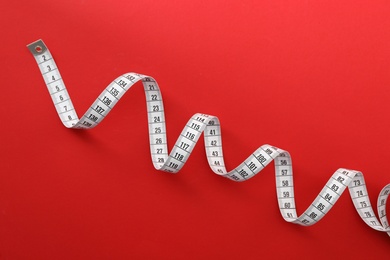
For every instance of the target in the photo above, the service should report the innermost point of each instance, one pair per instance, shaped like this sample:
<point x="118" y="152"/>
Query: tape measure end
<point x="38" y="47"/>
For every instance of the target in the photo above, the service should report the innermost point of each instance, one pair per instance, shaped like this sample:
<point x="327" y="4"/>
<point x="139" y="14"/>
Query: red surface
<point x="311" y="77"/>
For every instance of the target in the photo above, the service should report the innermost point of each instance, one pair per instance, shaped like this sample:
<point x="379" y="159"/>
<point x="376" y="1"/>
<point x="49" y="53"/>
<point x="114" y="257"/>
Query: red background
<point x="310" y="77"/>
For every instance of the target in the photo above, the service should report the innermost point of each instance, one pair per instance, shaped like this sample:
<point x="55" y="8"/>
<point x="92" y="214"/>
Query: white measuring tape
<point x="209" y="125"/>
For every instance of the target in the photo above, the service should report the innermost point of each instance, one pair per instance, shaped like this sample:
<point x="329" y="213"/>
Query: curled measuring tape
<point x="210" y="127"/>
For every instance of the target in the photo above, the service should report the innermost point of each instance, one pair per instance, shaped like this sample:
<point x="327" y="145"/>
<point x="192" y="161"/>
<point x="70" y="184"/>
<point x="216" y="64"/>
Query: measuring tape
<point x="209" y="125"/>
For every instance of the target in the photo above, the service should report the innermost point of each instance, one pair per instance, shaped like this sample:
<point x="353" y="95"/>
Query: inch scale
<point x="209" y="125"/>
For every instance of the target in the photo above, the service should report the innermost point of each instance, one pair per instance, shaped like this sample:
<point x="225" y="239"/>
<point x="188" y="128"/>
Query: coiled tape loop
<point x="210" y="127"/>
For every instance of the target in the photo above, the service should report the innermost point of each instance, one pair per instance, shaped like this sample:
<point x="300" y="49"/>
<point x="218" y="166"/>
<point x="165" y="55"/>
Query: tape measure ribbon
<point x="210" y="126"/>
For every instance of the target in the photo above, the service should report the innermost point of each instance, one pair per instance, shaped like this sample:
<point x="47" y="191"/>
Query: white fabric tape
<point x="210" y="126"/>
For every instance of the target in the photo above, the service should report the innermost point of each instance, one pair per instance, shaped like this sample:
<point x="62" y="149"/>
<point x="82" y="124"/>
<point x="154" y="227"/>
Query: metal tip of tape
<point x="37" y="47"/>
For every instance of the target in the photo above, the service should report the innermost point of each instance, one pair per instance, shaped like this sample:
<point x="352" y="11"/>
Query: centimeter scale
<point x="209" y="125"/>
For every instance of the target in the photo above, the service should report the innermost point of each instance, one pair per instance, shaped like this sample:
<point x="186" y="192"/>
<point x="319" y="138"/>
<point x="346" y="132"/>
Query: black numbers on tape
<point x="99" y="109"/>
<point x="114" y="92"/>
<point x="106" y="101"/>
